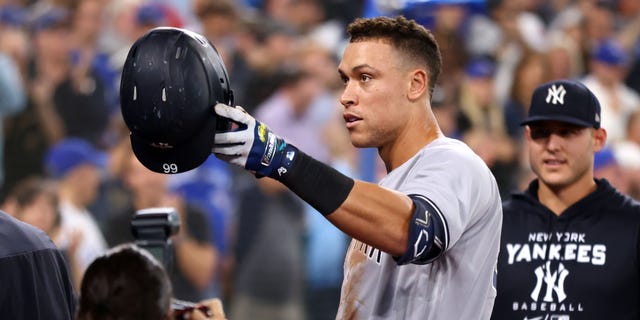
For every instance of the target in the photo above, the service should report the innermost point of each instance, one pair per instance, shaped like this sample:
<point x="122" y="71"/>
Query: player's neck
<point x="407" y="145"/>
<point x="559" y="198"/>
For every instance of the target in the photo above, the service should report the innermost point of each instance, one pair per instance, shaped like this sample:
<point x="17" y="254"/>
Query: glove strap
<point x="266" y="153"/>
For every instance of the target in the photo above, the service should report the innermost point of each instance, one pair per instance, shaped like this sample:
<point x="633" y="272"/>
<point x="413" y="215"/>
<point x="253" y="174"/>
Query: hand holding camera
<point x="208" y="309"/>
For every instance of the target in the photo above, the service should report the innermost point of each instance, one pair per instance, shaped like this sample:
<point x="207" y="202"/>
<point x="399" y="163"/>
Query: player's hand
<point x="251" y="146"/>
<point x="216" y="312"/>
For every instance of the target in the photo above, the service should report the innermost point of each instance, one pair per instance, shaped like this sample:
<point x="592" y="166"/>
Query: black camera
<point x="152" y="229"/>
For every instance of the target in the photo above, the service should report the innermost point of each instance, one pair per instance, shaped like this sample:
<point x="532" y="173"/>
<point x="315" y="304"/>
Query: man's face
<point x="375" y="92"/>
<point x="53" y="42"/>
<point x="41" y="212"/>
<point x="561" y="154"/>
<point x="87" y="180"/>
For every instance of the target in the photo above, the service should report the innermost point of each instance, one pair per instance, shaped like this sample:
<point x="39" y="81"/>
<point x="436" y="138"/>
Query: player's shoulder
<point x="450" y="147"/>
<point x="453" y="153"/>
<point x="517" y="202"/>
<point x="609" y="198"/>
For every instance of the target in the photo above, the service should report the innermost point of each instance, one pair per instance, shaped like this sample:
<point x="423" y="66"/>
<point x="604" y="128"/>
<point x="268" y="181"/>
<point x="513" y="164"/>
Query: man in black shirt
<point x="34" y="280"/>
<point x="570" y="243"/>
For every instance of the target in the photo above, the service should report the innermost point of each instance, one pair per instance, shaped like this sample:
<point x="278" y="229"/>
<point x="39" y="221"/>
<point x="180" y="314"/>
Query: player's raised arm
<point x="375" y="215"/>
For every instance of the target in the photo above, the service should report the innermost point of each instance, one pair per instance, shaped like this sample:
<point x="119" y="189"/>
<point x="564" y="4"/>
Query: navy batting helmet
<point x="171" y="80"/>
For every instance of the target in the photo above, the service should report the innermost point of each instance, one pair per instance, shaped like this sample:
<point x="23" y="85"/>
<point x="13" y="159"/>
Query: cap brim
<point x="181" y="158"/>
<point x="570" y="120"/>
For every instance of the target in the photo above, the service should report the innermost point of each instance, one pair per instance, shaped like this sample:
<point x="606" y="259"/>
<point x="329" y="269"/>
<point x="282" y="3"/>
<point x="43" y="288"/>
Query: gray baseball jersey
<point x="460" y="283"/>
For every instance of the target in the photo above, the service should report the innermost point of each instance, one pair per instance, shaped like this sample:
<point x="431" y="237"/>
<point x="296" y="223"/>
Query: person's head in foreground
<point x="563" y="134"/>
<point x="125" y="283"/>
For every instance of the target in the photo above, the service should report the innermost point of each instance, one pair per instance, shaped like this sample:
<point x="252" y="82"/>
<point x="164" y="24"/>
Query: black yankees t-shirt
<point x="582" y="264"/>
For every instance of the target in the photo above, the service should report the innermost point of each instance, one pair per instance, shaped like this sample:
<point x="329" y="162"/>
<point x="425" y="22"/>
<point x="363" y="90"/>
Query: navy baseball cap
<point x="70" y="153"/>
<point x="564" y="100"/>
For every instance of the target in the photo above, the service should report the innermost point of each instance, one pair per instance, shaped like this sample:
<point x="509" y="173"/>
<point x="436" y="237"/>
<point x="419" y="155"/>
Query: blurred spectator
<point x="598" y="22"/>
<point x="448" y="31"/>
<point x="88" y="21"/>
<point x="75" y="164"/>
<point x="210" y="188"/>
<point x="629" y="37"/>
<point x="34" y="201"/>
<point x="151" y="14"/>
<point x="274" y="47"/>
<point x="606" y="166"/>
<point x="14" y="40"/>
<point x="627" y="153"/>
<point x="446" y="111"/>
<point x="219" y="19"/>
<point x="565" y="48"/>
<point x="190" y="276"/>
<point x="13" y="99"/>
<point x="269" y="268"/>
<point x="86" y="97"/>
<point x="320" y="62"/>
<point x="310" y="19"/>
<point x="609" y="64"/>
<point x="113" y="196"/>
<point x="30" y="133"/>
<point x="505" y="34"/>
<point x="532" y="70"/>
<point x="35" y="281"/>
<point x="482" y="124"/>
<point x="119" y="32"/>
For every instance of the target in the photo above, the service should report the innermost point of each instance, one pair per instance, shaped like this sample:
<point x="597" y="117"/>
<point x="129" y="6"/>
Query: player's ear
<point x="599" y="139"/>
<point x="527" y="133"/>
<point x="418" y="84"/>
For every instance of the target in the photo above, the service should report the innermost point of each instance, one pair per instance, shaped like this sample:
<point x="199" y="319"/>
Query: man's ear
<point x="599" y="139"/>
<point x="418" y="84"/>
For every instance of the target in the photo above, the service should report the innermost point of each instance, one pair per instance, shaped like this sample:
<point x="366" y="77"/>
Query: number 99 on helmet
<point x="170" y="82"/>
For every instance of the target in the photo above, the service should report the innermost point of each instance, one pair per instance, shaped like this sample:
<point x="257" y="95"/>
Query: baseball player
<point x="570" y="243"/>
<point x="425" y="239"/>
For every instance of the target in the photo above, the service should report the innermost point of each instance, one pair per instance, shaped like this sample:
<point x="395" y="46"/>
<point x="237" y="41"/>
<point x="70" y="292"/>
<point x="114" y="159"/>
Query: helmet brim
<point x="176" y="159"/>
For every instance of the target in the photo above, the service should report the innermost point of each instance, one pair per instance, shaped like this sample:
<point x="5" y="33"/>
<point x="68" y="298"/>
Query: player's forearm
<point x="372" y="214"/>
<point x="376" y="216"/>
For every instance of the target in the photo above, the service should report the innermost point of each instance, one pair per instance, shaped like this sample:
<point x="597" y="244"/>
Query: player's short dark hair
<point x="125" y="283"/>
<point x="407" y="36"/>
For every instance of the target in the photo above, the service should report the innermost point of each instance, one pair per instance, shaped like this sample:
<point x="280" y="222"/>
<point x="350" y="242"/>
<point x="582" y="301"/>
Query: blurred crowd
<point x="68" y="167"/>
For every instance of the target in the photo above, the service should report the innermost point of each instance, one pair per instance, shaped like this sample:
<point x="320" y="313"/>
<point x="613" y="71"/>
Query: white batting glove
<point x="251" y="146"/>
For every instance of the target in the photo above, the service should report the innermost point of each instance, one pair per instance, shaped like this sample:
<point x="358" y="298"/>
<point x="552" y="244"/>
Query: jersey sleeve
<point x="458" y="184"/>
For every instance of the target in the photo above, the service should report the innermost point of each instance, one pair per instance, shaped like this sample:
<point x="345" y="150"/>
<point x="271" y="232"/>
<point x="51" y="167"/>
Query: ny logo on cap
<point x="555" y="94"/>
